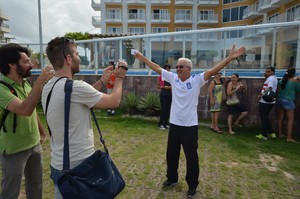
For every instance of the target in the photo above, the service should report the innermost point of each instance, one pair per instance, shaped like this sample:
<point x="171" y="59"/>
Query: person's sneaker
<point x="168" y="183"/>
<point x="113" y="112"/>
<point x="272" y="136"/>
<point x="260" y="136"/>
<point x="191" y="193"/>
<point x="161" y="127"/>
<point x="167" y="126"/>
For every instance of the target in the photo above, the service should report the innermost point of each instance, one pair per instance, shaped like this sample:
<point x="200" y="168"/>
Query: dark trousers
<point x="188" y="138"/>
<point x="165" y="103"/>
<point x="265" y="123"/>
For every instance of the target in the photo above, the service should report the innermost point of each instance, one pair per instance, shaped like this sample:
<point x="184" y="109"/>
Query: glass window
<point x="114" y="30"/>
<point x="291" y="13"/>
<point x="234" y="14"/>
<point x="137" y="30"/>
<point x="159" y="29"/>
<point x="226" y="15"/>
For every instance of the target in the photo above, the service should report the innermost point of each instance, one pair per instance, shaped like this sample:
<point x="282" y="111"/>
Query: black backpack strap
<point x="66" y="155"/>
<point x="48" y="100"/>
<point x="6" y="112"/>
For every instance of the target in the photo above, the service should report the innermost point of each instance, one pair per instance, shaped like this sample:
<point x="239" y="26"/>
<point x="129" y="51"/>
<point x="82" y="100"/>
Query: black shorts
<point x="238" y="108"/>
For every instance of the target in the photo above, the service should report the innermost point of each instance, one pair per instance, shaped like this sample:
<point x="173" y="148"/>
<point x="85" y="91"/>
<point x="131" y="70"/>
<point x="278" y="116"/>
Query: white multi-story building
<point x="4" y="28"/>
<point x="159" y="16"/>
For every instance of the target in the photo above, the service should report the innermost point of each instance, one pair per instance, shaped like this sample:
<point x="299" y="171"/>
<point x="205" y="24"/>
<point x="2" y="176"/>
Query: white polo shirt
<point x="184" y="98"/>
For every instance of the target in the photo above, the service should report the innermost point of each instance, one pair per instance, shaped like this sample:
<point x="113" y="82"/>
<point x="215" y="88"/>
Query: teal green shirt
<point x="27" y="132"/>
<point x="290" y="91"/>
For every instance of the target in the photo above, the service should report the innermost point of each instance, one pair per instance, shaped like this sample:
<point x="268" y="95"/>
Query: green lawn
<point x="231" y="166"/>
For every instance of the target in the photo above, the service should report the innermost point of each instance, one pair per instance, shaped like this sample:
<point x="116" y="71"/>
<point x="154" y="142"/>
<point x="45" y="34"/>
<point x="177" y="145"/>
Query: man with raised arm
<point x="184" y="117"/>
<point x="63" y="55"/>
<point x="21" y="132"/>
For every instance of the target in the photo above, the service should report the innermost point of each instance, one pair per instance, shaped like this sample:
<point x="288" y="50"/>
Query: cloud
<point x="58" y="18"/>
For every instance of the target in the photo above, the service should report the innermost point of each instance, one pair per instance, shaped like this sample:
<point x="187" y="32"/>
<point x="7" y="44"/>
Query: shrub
<point x="150" y="104"/>
<point x="130" y="103"/>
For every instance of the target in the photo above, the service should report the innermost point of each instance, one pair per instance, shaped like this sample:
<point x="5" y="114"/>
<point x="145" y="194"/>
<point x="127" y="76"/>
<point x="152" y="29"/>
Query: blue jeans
<point x="28" y="162"/>
<point x="55" y="175"/>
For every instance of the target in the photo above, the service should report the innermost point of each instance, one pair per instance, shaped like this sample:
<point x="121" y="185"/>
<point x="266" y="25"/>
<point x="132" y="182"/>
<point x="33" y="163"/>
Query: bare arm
<point x="41" y="130"/>
<point x="27" y="106"/>
<point x="210" y="91"/>
<point x="113" y="100"/>
<point x="104" y="78"/>
<point x="229" y="89"/>
<point x="232" y="55"/>
<point x="158" y="84"/>
<point x="149" y="63"/>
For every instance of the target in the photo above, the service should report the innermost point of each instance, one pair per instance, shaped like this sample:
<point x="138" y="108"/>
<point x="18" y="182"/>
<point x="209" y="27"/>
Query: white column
<point x="298" y="51"/>
<point x="125" y="16"/>
<point x="148" y="17"/>
<point x="103" y="17"/>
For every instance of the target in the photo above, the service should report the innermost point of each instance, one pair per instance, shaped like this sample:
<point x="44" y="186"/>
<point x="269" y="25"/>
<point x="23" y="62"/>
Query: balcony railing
<point x="96" y="21"/>
<point x="183" y="18"/>
<point x="208" y="18"/>
<point x="96" y="5"/>
<point x="280" y="2"/>
<point x="265" y="6"/>
<point x="136" y="16"/>
<point x="208" y="2"/>
<point x="184" y="2"/>
<point x="112" y="1"/>
<point x="113" y="17"/>
<point x="136" y="2"/>
<point x="251" y="11"/>
<point x="160" y="18"/>
<point x="160" y="2"/>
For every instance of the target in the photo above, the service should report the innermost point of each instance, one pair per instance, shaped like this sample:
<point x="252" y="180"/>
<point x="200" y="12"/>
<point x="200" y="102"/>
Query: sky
<point x="58" y="18"/>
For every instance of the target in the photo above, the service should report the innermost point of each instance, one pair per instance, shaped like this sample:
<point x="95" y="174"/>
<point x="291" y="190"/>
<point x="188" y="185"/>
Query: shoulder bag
<point x="232" y="100"/>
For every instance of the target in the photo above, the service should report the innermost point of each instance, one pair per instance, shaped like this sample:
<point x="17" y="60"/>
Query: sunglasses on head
<point x="65" y="41"/>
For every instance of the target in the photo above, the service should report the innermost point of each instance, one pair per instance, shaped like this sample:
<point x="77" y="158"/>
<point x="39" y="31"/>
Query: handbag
<point x="97" y="176"/>
<point x="269" y="96"/>
<point x="232" y="100"/>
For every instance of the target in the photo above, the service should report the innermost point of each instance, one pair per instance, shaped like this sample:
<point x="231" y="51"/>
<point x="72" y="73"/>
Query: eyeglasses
<point x="65" y="41"/>
<point x="180" y="67"/>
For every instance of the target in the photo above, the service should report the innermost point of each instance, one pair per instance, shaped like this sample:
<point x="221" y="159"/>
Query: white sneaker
<point x="167" y="126"/>
<point x="161" y="127"/>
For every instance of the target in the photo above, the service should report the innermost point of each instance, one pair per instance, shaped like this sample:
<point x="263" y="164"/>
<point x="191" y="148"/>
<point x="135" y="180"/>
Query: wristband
<point x="102" y="82"/>
<point x="120" y="77"/>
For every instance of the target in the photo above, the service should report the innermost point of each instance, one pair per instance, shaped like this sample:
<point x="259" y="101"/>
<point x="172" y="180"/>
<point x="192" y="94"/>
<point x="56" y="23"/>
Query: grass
<point x="237" y="166"/>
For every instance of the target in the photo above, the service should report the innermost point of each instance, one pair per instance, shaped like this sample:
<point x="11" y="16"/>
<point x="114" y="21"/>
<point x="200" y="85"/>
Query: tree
<point x="79" y="36"/>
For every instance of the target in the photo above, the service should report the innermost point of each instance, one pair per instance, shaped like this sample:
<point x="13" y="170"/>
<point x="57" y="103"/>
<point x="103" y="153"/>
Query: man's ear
<point x="12" y="66"/>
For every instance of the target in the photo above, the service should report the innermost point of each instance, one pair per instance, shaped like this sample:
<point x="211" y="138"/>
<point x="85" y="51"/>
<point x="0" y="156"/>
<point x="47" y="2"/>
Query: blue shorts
<point x="286" y="104"/>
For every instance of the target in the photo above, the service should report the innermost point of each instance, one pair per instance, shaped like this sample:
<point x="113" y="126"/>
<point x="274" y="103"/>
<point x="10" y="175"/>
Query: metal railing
<point x="279" y="47"/>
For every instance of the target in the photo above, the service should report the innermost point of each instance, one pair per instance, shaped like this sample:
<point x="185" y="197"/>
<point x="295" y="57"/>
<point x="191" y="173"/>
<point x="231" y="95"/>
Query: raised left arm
<point x="232" y="55"/>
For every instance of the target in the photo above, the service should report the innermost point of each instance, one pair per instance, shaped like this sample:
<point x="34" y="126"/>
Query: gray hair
<point x="187" y="60"/>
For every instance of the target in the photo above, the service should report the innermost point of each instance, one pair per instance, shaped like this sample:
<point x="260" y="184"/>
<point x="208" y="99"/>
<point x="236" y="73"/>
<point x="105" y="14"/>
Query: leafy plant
<point x="150" y="104"/>
<point x="130" y="103"/>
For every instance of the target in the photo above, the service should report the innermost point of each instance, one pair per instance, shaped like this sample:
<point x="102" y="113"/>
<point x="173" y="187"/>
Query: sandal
<point x="218" y="131"/>
<point x="292" y="140"/>
<point x="231" y="132"/>
<point x="238" y="125"/>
